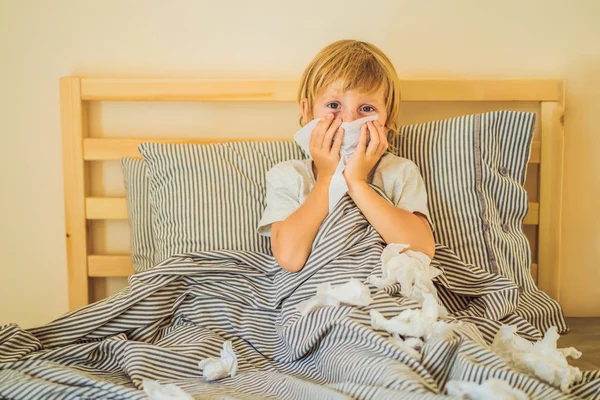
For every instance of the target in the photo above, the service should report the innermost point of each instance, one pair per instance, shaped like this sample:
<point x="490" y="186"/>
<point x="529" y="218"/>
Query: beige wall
<point x="43" y="40"/>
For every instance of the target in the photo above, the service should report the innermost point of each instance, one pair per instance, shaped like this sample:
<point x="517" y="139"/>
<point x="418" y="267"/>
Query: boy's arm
<point x="292" y="238"/>
<point x="394" y="224"/>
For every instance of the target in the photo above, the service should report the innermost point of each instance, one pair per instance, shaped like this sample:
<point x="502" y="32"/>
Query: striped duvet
<point x="181" y="311"/>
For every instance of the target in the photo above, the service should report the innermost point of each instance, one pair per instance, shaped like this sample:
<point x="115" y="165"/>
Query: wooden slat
<point x="74" y="129"/>
<point x="188" y="89"/>
<point x="551" y="178"/>
<point x="106" y="208"/>
<point x="109" y="265"/>
<point x="532" y="217"/>
<point x="285" y="90"/>
<point x="105" y="149"/>
<point x="482" y="90"/>
<point x="534" y="157"/>
<point x="98" y="289"/>
<point x="116" y="208"/>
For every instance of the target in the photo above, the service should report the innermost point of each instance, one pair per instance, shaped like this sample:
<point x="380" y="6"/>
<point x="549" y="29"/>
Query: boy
<point x="347" y="80"/>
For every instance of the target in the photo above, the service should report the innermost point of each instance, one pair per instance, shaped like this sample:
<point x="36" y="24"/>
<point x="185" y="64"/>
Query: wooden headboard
<point x="80" y="150"/>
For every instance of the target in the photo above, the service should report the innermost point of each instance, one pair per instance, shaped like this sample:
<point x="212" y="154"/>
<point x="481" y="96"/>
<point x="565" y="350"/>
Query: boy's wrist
<point x="356" y="186"/>
<point x="323" y="180"/>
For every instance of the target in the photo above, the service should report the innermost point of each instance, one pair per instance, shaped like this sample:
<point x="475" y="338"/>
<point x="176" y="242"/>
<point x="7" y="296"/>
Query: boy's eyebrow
<point x="368" y="99"/>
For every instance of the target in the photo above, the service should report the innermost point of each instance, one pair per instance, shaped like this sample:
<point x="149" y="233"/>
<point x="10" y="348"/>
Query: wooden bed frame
<point x="79" y="150"/>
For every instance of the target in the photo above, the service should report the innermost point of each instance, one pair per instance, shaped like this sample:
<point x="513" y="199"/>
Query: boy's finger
<point x="383" y="143"/>
<point x="321" y="129"/>
<point x="337" y="144"/>
<point x="374" y="135"/>
<point x="362" y="140"/>
<point x="328" y="139"/>
<point x="314" y="135"/>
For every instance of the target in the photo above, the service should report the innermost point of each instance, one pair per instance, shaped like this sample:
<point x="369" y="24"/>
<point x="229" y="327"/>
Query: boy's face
<point x="349" y="106"/>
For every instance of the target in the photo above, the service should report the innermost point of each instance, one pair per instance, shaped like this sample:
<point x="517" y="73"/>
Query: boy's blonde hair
<point x="358" y="66"/>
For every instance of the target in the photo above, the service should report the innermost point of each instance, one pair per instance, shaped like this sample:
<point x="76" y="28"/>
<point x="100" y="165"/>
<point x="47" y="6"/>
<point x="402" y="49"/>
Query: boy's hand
<point x="324" y="150"/>
<point x="365" y="157"/>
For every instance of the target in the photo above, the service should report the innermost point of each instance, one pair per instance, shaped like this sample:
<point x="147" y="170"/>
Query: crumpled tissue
<point x="338" y="187"/>
<point x="418" y="323"/>
<point x="492" y="389"/>
<point x="156" y="391"/>
<point x="213" y="369"/>
<point x="352" y="292"/>
<point x="411" y="346"/>
<point x="542" y="358"/>
<point x="412" y="270"/>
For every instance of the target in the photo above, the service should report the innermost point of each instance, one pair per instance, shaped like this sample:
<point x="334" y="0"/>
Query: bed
<point x="186" y="307"/>
<point x="422" y="100"/>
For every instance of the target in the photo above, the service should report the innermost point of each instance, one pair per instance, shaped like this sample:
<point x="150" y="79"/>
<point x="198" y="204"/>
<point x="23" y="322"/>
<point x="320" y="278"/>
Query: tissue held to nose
<point x="338" y="187"/>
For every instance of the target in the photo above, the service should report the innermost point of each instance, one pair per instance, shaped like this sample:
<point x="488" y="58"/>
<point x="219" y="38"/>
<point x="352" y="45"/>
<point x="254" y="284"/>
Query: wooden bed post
<point x="551" y="188"/>
<point x="74" y="129"/>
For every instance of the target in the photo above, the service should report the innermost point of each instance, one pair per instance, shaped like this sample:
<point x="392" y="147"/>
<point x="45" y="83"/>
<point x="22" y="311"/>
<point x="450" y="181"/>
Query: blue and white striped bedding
<point x="474" y="168"/>
<point x="174" y="315"/>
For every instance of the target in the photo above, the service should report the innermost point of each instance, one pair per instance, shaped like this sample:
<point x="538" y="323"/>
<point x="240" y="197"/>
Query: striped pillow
<point x="474" y="169"/>
<point x="139" y="213"/>
<point x="210" y="197"/>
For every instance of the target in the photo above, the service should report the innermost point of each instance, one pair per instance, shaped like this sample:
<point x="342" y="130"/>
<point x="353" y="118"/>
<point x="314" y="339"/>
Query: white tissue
<point x="213" y="369"/>
<point x="411" y="346"/>
<point x="156" y="391"/>
<point x="414" y="343"/>
<point x="352" y="292"/>
<point x="412" y="269"/>
<point x="416" y="323"/>
<point x="492" y="389"/>
<point x="338" y="186"/>
<point x="542" y="359"/>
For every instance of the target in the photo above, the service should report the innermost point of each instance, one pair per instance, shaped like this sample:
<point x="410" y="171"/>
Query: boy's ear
<point x="386" y="128"/>
<point x="304" y="107"/>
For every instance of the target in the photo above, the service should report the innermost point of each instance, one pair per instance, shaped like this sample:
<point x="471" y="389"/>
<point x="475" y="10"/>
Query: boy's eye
<point x="335" y="106"/>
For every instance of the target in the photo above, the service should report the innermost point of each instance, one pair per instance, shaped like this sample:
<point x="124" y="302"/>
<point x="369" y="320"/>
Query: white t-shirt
<point x="290" y="182"/>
